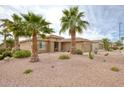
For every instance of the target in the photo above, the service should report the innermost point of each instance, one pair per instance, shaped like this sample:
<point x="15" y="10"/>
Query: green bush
<point x="28" y="71"/>
<point x="64" y="56"/>
<point x="115" y="69"/>
<point x="7" y="53"/>
<point x="78" y="51"/>
<point x="2" y="50"/>
<point x="1" y="57"/>
<point x="91" y="55"/>
<point x="21" y="54"/>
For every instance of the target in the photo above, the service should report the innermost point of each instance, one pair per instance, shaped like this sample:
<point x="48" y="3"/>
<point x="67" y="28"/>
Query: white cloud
<point x="103" y="20"/>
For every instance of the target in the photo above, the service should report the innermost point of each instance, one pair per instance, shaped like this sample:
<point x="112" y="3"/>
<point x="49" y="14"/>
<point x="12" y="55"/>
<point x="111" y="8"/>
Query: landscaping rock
<point x="7" y="59"/>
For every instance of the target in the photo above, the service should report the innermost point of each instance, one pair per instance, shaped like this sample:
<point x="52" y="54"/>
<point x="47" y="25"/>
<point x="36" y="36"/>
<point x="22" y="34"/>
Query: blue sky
<point x="104" y="20"/>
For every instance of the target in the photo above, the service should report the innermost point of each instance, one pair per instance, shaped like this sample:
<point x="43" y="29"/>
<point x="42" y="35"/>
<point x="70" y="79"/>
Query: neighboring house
<point x="55" y="43"/>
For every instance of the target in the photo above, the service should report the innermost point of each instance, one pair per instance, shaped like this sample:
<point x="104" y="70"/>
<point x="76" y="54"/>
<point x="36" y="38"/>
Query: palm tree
<point x="72" y="21"/>
<point x="16" y="27"/>
<point x="35" y="25"/>
<point x="4" y="32"/>
<point x="10" y="43"/>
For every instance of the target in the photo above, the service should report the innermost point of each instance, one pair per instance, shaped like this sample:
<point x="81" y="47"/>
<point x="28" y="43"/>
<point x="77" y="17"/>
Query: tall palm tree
<point x="16" y="27"/>
<point x="5" y="31"/>
<point x="72" y="21"/>
<point x="10" y="43"/>
<point x="35" y="24"/>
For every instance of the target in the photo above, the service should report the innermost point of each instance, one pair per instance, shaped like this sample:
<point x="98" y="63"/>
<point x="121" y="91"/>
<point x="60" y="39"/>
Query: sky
<point x="104" y="20"/>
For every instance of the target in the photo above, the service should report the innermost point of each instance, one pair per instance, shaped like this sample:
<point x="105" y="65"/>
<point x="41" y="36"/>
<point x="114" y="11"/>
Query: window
<point x="42" y="44"/>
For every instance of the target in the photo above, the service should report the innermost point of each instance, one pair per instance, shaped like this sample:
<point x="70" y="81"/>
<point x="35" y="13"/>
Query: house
<point x="55" y="43"/>
<point x="97" y="44"/>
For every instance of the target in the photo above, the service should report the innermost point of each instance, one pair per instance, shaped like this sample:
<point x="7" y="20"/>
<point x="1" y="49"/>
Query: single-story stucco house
<point x="97" y="44"/>
<point x="55" y="43"/>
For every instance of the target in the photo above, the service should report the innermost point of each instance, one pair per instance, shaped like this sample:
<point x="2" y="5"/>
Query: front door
<point x="56" y="46"/>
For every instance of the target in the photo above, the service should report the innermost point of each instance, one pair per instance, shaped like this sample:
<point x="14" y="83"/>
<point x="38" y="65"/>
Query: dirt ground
<point x="78" y="71"/>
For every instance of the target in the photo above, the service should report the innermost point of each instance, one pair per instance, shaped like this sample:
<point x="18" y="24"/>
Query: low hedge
<point x="21" y="54"/>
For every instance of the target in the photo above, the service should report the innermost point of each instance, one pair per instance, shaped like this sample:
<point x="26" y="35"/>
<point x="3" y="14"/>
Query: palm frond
<point x="73" y="19"/>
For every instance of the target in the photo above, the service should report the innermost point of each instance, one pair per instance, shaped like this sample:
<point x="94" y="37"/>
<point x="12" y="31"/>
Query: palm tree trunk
<point x="34" y="57"/>
<point x="73" y="42"/>
<point x="17" y="45"/>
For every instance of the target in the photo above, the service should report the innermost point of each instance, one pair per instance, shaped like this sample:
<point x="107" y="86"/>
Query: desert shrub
<point x="114" y="47"/>
<point x="21" y="54"/>
<point x="64" y="56"/>
<point x="115" y="69"/>
<point x="106" y="43"/>
<point x="7" y="54"/>
<point x="2" y="50"/>
<point x="110" y="50"/>
<point x="28" y="71"/>
<point x="106" y="54"/>
<point x="91" y="55"/>
<point x="121" y="48"/>
<point x="1" y="57"/>
<point x="78" y="51"/>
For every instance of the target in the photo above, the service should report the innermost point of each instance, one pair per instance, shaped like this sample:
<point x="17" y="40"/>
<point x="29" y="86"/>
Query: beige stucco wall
<point x="42" y="50"/>
<point x="84" y="46"/>
<point x="79" y="45"/>
<point x="95" y="46"/>
<point x="25" y="45"/>
<point x="62" y="46"/>
<point x="66" y="46"/>
<point x="87" y="46"/>
<point x="51" y="46"/>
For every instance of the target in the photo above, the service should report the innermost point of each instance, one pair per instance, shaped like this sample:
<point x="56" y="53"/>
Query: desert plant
<point x="64" y="56"/>
<point x="118" y="43"/>
<point x="78" y="51"/>
<point x="106" y="54"/>
<point x="115" y="69"/>
<point x="121" y="48"/>
<point x="106" y="43"/>
<point x="2" y="50"/>
<point x="36" y="25"/>
<point x="7" y="54"/>
<point x="110" y="50"/>
<point x="73" y="22"/>
<point x="21" y="54"/>
<point x="114" y="47"/>
<point x="1" y="57"/>
<point x="28" y="71"/>
<point x="91" y="55"/>
<point x="10" y="43"/>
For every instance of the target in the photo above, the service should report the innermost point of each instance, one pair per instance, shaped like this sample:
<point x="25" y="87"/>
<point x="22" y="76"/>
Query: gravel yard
<point x="78" y="71"/>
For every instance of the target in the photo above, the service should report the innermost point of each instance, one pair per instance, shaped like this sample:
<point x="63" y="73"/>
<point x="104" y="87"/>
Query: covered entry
<point x="56" y="46"/>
